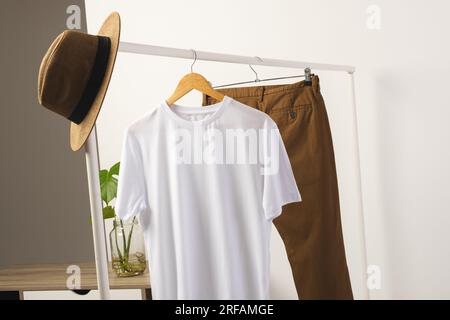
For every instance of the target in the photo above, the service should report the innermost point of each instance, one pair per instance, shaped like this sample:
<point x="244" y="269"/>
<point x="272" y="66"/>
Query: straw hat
<point x="74" y="76"/>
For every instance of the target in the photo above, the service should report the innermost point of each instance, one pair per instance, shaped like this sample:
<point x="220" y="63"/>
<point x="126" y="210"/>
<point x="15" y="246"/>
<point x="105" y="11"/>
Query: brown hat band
<point x="94" y="82"/>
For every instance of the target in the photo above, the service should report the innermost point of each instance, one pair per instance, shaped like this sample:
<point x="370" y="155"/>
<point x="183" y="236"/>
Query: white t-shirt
<point x="205" y="204"/>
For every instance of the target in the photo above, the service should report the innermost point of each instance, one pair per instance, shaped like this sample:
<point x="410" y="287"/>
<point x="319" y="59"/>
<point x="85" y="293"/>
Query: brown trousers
<point x="311" y="229"/>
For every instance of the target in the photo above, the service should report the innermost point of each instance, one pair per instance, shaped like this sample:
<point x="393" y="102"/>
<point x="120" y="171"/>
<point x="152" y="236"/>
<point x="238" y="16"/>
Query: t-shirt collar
<point x="218" y="108"/>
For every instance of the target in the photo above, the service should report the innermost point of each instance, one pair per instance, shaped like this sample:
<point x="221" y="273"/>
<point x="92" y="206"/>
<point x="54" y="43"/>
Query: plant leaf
<point x="103" y="175"/>
<point x="108" y="212"/>
<point x="108" y="190"/>
<point x="108" y="183"/>
<point x="114" y="170"/>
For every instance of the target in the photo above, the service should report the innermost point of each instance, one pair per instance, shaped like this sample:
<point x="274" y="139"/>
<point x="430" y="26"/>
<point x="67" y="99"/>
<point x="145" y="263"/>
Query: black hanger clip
<point x="308" y="79"/>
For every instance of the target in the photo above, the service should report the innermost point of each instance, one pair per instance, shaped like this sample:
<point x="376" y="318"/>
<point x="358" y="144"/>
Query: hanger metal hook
<point x="256" y="74"/>
<point x="195" y="59"/>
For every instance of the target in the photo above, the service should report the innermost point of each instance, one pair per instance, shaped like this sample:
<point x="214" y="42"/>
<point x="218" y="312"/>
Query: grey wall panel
<point x="44" y="202"/>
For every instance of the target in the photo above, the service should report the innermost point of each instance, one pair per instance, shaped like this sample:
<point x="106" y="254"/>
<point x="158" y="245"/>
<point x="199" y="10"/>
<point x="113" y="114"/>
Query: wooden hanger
<point x="192" y="81"/>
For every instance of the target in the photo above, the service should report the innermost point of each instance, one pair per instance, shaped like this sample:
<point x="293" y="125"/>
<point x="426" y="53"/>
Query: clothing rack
<point x="92" y="157"/>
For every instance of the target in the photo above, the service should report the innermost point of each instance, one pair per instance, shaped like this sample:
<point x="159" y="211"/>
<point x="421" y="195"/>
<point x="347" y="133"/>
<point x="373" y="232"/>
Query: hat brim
<point x="79" y="133"/>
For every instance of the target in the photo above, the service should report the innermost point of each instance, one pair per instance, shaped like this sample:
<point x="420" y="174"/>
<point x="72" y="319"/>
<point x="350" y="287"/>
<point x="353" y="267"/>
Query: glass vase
<point x="127" y="248"/>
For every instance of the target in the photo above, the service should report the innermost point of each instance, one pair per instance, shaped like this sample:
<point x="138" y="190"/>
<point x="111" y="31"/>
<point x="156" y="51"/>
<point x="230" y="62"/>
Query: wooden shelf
<point x="44" y="277"/>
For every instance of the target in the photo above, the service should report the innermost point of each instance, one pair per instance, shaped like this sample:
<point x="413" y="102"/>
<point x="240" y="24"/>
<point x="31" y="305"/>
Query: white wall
<point x="403" y="104"/>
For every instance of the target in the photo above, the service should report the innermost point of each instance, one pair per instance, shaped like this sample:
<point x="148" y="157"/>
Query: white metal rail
<point x="145" y="49"/>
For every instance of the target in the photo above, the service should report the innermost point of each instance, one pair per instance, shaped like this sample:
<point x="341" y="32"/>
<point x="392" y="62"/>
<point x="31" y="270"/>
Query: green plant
<point x="123" y="263"/>
<point x="108" y="189"/>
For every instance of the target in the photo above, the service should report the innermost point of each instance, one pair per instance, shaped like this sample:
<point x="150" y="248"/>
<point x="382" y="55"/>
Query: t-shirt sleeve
<point x="131" y="190"/>
<point x="279" y="187"/>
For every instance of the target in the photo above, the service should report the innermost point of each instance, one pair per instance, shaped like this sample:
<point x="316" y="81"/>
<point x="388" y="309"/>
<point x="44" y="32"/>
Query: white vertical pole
<point x="360" y="217"/>
<point x="98" y="227"/>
